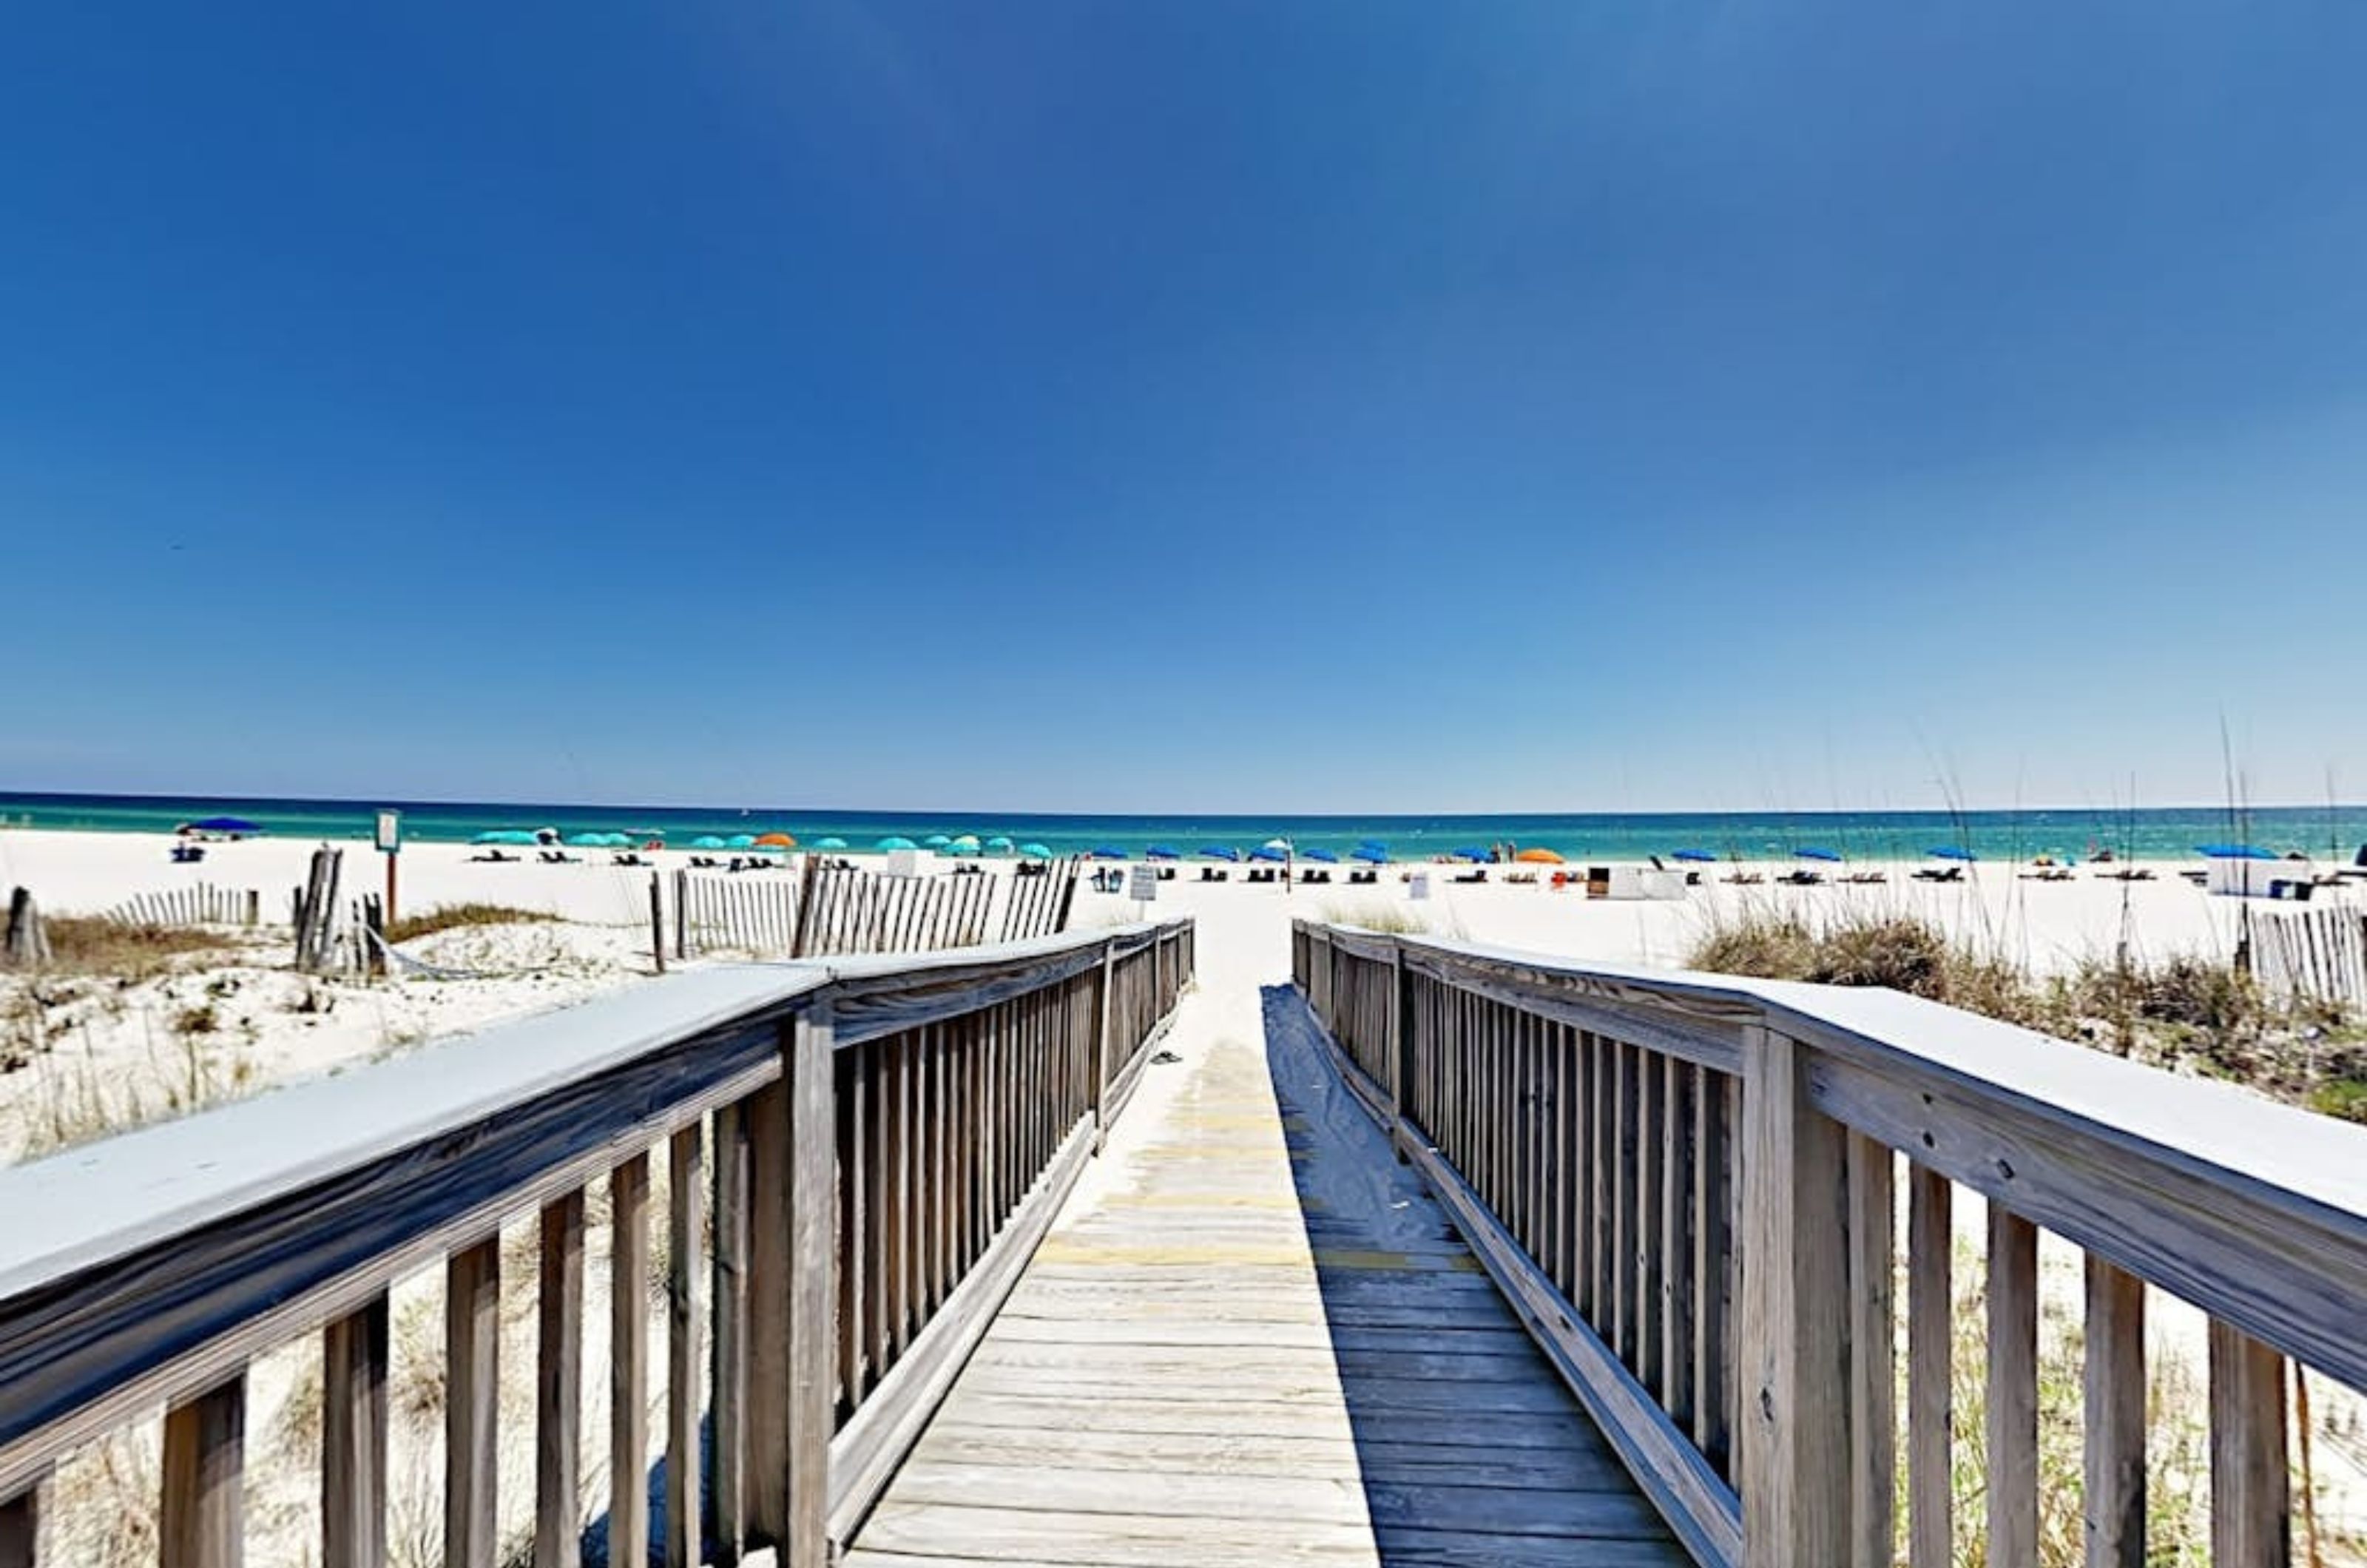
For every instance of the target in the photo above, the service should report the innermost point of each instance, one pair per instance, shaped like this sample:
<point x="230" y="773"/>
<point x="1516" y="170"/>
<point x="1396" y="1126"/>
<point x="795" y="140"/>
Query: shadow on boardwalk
<point x="1471" y="1450"/>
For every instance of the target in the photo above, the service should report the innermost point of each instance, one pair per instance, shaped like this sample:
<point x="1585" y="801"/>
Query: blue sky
<point x="1357" y="406"/>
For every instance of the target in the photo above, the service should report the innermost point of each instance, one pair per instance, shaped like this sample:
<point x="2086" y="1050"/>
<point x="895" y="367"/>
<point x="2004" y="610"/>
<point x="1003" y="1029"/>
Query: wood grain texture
<point x="1873" y="1354"/>
<point x="685" y="1236"/>
<point x="472" y="1345"/>
<point x="202" y="1522"/>
<point x="628" y="1364"/>
<point x="1930" y="1397"/>
<point x="2251" y="1513"/>
<point x="2013" y="1399"/>
<point x="559" y="1386"/>
<point x="353" y="1439"/>
<point x="2113" y="1505"/>
<point x="20" y="1529"/>
<point x="1795" y="1438"/>
<point x="810" y="1362"/>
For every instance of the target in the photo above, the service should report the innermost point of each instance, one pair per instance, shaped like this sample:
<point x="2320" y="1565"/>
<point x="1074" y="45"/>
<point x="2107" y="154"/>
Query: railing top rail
<point x="108" y="1200"/>
<point x="2313" y="1166"/>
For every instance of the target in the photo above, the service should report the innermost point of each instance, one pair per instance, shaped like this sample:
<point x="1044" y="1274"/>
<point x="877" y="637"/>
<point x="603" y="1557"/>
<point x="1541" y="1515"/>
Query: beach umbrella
<point x="1830" y="857"/>
<point x="588" y="841"/>
<point x="1218" y="852"/>
<point x="1371" y="854"/>
<point x="1281" y="844"/>
<point x="622" y="840"/>
<point x="2233" y="852"/>
<point x="776" y="841"/>
<point x="935" y="842"/>
<point x="830" y="843"/>
<point x="1696" y="857"/>
<point x="224" y="825"/>
<point x="741" y="841"/>
<point x="1163" y="851"/>
<point x="1034" y="852"/>
<point x="504" y="836"/>
<point x="1000" y="842"/>
<point x="1106" y="853"/>
<point x="706" y="841"/>
<point x="1268" y="852"/>
<point x="1477" y="856"/>
<point x="1538" y="857"/>
<point x="1950" y="852"/>
<point x="967" y="843"/>
<point x="896" y="841"/>
<point x="1326" y="856"/>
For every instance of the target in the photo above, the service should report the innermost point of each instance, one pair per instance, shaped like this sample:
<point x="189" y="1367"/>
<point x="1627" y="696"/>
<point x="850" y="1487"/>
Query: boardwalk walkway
<point x="1251" y="1339"/>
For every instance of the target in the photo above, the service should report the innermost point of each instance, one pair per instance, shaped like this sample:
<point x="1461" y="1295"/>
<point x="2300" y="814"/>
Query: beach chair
<point x="187" y="854"/>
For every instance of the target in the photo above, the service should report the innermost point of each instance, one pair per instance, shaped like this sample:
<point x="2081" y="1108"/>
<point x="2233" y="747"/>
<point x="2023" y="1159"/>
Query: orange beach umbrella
<point x="776" y="841"/>
<point x="1538" y="857"/>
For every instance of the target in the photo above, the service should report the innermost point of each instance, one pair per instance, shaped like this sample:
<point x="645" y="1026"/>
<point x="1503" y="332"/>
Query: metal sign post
<point x="389" y="844"/>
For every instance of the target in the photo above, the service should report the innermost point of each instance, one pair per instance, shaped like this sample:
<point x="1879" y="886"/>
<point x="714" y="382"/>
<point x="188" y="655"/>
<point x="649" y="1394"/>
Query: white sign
<point x="1142" y="884"/>
<point x="1418" y="886"/>
<point x="389" y="830"/>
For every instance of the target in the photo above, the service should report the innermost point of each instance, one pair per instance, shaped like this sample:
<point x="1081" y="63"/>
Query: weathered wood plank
<point x="685" y="1236"/>
<point x="2013" y="1399"/>
<point x="812" y="1287"/>
<point x="2252" y="1513"/>
<point x="559" y="1387"/>
<point x="353" y="1439"/>
<point x="1873" y="1364"/>
<point x="628" y="1375"/>
<point x="472" y="1347"/>
<point x="20" y="1529"/>
<point x="202" y="1522"/>
<point x="1931" y="1400"/>
<point x="2114" y="1499"/>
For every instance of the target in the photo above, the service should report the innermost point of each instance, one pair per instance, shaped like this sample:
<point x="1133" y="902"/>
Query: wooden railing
<point x="860" y="1158"/>
<point x="1687" y="1185"/>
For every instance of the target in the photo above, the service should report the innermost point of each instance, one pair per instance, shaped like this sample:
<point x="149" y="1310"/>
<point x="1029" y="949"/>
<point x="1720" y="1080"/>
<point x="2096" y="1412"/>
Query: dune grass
<point x="92" y="944"/>
<point x="453" y="917"/>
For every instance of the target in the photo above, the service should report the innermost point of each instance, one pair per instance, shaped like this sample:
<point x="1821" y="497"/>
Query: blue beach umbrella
<point x="1371" y="854"/>
<point x="1000" y="842"/>
<point x="1163" y="851"/>
<point x="1950" y="852"/>
<point x="934" y="842"/>
<point x="1106" y="853"/>
<point x="1830" y="857"/>
<point x="1695" y="857"/>
<point x="2233" y="852"/>
<point x="224" y="825"/>
<point x="588" y="841"/>
<point x="1268" y="852"/>
<point x="965" y="845"/>
<point x="1033" y="852"/>
<point x="706" y="841"/>
<point x="1326" y="856"/>
<point x="829" y="844"/>
<point x="896" y="841"/>
<point x="1477" y="856"/>
<point x="1218" y="852"/>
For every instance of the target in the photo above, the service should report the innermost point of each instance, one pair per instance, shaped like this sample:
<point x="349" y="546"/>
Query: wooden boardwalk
<point x="1251" y="1339"/>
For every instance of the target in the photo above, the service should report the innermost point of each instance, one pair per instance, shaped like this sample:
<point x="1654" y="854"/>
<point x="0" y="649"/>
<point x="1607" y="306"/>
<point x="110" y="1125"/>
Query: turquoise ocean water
<point x="2163" y="833"/>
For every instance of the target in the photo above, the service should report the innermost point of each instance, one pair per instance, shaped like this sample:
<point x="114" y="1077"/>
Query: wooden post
<point x="28" y="943"/>
<point x="1795" y="1409"/>
<point x="685" y="1228"/>
<point x="1872" y="1370"/>
<point x="657" y="921"/>
<point x="728" y="1348"/>
<point x="1101" y="1045"/>
<point x="1400" y="1051"/>
<point x="812" y="1285"/>
<point x="559" y="1386"/>
<point x="2252" y="1513"/>
<point x="472" y="1344"/>
<point x="20" y="1529"/>
<point x="203" y="1521"/>
<point x="766" y="1117"/>
<point x="628" y="1375"/>
<point x="2115" y="1493"/>
<point x="682" y="913"/>
<point x="353" y="1439"/>
<point x="2012" y="1397"/>
<point x="1931" y="1399"/>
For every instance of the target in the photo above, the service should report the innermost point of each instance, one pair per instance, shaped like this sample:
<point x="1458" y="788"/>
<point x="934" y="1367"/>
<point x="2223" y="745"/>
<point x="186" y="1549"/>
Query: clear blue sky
<point x="1361" y="405"/>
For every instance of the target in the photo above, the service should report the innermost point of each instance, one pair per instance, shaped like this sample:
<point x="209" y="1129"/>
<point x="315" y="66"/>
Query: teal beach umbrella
<point x="895" y="841"/>
<point x="830" y="843"/>
<point x="1034" y="852"/>
<point x="999" y="841"/>
<point x="741" y="841"/>
<point x="935" y="842"/>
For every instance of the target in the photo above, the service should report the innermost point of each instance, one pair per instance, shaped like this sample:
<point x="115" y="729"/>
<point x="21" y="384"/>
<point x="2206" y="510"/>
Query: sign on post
<point x="1142" y="883"/>
<point x="390" y="831"/>
<point x="1418" y="886"/>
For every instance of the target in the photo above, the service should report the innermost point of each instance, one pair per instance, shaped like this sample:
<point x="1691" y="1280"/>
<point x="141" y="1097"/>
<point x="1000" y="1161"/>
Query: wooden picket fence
<point x="2317" y="954"/>
<point x="200" y="904"/>
<point x="834" y="910"/>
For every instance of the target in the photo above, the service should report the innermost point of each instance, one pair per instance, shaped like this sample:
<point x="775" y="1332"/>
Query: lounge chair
<point x="1941" y="873"/>
<point x="1477" y="874"/>
<point x="1743" y="879"/>
<point x="187" y="854"/>
<point x="1802" y="879"/>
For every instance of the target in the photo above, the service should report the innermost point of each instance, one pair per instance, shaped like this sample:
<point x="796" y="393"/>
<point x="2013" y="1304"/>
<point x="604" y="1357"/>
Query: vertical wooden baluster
<point x="629" y="1366"/>
<point x="764" y="1125"/>
<point x="203" y="1520"/>
<point x="854" y="1247"/>
<point x="812" y="1287"/>
<point x="20" y="1524"/>
<point x="473" y="1346"/>
<point x="1873" y="1365"/>
<point x="1553" y="1113"/>
<point x="2251" y="1504"/>
<point x="1795" y="1425"/>
<point x="880" y="1198"/>
<point x="353" y="1439"/>
<point x="1650" y="1084"/>
<point x="2013" y="1390"/>
<point x="1677" y="1304"/>
<point x="896" y="1202"/>
<point x="559" y="1386"/>
<point x="1602" y="1158"/>
<point x="2114" y="1514"/>
<point x="685" y="1230"/>
<point x="1931" y="1400"/>
<point x="727" y="1343"/>
<point x="1713" y="1260"/>
<point x="1623" y="1201"/>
